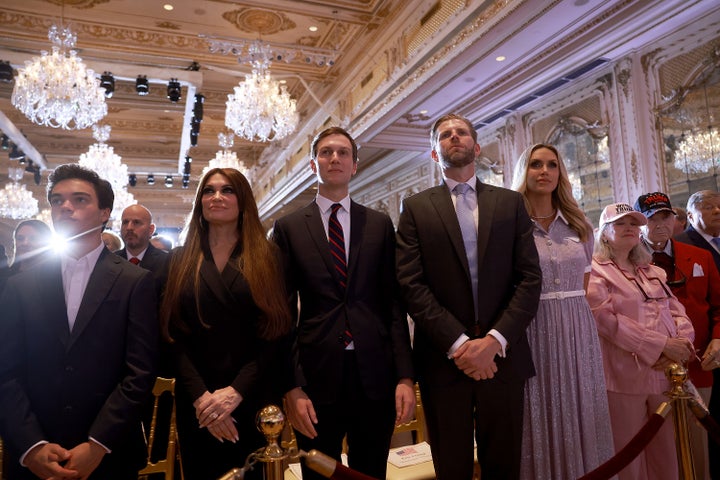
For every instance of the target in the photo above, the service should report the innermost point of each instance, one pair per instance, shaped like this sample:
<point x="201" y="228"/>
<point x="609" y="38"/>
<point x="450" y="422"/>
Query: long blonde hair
<point x="562" y="197"/>
<point x="258" y="262"/>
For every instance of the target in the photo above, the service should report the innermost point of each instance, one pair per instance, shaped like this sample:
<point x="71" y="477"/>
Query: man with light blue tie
<point x="470" y="276"/>
<point x="703" y="230"/>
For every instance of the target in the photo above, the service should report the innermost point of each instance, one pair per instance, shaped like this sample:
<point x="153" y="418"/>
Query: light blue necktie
<point x="465" y="201"/>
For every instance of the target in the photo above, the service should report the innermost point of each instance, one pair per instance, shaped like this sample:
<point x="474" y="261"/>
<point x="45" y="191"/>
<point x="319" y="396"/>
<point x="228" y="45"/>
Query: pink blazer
<point x="632" y="329"/>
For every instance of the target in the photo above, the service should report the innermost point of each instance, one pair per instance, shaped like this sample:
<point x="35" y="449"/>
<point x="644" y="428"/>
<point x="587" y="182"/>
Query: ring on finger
<point x="213" y="415"/>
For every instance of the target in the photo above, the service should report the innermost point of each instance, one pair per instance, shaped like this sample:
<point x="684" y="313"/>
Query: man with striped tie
<point x="351" y="361"/>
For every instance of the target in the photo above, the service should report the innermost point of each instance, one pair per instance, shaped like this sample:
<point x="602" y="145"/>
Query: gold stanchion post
<point x="271" y="421"/>
<point x="677" y="375"/>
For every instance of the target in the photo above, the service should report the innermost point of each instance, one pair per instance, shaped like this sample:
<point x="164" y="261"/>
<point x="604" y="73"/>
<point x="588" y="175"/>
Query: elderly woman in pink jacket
<point x="643" y="328"/>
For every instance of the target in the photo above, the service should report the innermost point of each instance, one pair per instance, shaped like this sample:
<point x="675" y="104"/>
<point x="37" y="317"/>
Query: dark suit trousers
<point x="495" y="408"/>
<point x="368" y="424"/>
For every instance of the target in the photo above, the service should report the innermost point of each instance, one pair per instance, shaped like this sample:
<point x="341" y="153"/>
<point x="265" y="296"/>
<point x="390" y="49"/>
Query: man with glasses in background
<point x="695" y="281"/>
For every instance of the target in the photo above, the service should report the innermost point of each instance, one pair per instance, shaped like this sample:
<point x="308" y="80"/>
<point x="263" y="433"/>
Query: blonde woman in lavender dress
<point x="566" y="431"/>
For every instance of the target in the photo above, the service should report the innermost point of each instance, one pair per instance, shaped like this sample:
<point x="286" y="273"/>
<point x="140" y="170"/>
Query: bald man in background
<point x="136" y="230"/>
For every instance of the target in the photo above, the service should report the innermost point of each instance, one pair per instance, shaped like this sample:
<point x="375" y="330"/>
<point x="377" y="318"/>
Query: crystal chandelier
<point x="15" y="200"/>
<point x="107" y="164"/>
<point x="698" y="152"/>
<point x="56" y="90"/>
<point x="225" y="158"/>
<point x="123" y="199"/>
<point x="261" y="109"/>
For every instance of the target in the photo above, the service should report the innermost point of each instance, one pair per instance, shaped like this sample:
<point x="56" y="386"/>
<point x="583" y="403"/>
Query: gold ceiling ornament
<point x="258" y="21"/>
<point x="57" y="89"/>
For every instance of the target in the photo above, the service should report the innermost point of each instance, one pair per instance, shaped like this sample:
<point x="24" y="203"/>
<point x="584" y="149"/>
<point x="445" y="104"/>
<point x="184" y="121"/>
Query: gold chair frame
<point x="166" y="465"/>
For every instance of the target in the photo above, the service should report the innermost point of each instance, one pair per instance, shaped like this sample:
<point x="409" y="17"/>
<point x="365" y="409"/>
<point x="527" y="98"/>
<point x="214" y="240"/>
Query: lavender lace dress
<point x="566" y="431"/>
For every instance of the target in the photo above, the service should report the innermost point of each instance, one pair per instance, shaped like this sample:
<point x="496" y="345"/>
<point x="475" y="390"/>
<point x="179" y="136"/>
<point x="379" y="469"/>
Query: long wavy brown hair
<point x="562" y="197"/>
<point x="258" y="262"/>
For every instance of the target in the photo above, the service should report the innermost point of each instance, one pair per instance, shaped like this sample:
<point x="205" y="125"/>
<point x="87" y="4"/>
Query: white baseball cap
<point x="616" y="211"/>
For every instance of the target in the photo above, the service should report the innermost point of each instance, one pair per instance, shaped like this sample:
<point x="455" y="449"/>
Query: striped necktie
<point x="337" y="245"/>
<point x="336" y="239"/>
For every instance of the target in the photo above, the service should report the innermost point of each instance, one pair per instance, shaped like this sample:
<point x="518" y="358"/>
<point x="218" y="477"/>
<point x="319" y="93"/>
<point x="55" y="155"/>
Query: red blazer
<point x="701" y="297"/>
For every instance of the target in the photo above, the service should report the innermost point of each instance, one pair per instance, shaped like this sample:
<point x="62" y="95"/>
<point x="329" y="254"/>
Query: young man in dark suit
<point x="469" y="272"/>
<point x="351" y="356"/>
<point x="78" y="341"/>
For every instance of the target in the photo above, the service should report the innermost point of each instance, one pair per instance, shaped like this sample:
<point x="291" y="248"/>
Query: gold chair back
<point x="416" y="425"/>
<point x="166" y="465"/>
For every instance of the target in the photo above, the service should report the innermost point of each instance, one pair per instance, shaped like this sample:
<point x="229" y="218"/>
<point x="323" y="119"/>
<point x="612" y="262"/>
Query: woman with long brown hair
<point x="226" y="313"/>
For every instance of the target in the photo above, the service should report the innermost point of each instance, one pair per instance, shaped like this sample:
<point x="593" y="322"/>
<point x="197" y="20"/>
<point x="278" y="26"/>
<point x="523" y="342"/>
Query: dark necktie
<point x="716" y="241"/>
<point x="337" y="245"/>
<point x="336" y="239"/>
<point x="135" y="260"/>
<point x="665" y="261"/>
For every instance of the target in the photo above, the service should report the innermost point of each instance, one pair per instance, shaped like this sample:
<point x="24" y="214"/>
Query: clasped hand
<point x="476" y="358"/>
<point x="676" y="350"/>
<point x="79" y="462"/>
<point x="214" y="412"/>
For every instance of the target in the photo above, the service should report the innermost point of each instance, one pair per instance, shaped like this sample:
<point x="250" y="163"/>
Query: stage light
<point x="198" y="106"/>
<point x="174" y="90"/>
<point x="194" y="132"/>
<point x="151" y="179"/>
<point x="6" y="72"/>
<point x="142" y="87"/>
<point x="16" y="153"/>
<point x="132" y="179"/>
<point x="169" y="181"/>
<point x="107" y="81"/>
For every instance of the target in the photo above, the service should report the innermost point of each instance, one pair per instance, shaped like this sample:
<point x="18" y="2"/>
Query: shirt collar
<point x="325" y="203"/>
<point x="90" y="258"/>
<point x="472" y="181"/>
<point x="667" y="249"/>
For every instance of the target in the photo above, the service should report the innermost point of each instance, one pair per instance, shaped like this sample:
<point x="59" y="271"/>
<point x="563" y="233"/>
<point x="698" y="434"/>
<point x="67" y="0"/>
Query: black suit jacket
<point x="155" y="260"/>
<point x="693" y="237"/>
<point x="370" y="303"/>
<point x="64" y="386"/>
<point x="435" y="279"/>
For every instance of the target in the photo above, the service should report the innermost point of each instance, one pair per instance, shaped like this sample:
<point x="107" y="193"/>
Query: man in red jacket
<point x="695" y="281"/>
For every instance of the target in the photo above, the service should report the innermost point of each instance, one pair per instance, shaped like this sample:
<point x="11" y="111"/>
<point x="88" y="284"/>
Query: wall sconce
<point x="169" y="181"/>
<point x="132" y="179"/>
<point x="151" y="179"/>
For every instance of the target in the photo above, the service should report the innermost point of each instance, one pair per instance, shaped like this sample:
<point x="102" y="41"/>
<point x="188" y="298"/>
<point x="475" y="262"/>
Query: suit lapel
<point x="51" y="286"/>
<point x="316" y="230"/>
<point x="487" y="202"/>
<point x="441" y="201"/>
<point x="358" y="219"/>
<point x="102" y="278"/>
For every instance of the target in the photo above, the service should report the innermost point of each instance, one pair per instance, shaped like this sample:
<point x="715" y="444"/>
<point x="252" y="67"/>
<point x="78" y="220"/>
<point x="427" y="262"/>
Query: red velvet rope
<point x="628" y="452"/>
<point x="344" y="473"/>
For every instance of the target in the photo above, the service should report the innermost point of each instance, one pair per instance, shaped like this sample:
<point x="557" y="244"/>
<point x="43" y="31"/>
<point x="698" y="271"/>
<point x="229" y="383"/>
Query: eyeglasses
<point x="679" y="282"/>
<point x="659" y="281"/>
